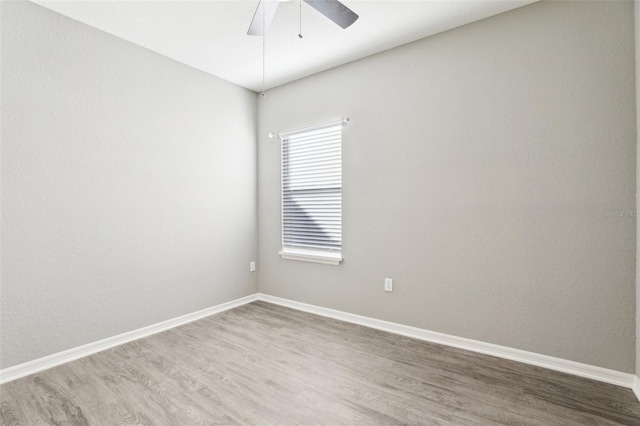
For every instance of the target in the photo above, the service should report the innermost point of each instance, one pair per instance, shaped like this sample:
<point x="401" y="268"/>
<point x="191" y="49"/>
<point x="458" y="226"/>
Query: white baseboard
<point x="571" y="367"/>
<point x="579" y="369"/>
<point x="31" y="367"/>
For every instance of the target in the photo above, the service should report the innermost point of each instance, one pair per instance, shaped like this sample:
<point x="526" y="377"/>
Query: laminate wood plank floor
<point x="262" y="364"/>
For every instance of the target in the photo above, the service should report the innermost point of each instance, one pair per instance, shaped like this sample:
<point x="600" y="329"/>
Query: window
<point x="312" y="194"/>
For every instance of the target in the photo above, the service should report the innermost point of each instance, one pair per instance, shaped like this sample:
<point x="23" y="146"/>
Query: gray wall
<point x="637" y="33"/>
<point x="484" y="171"/>
<point x="128" y="186"/>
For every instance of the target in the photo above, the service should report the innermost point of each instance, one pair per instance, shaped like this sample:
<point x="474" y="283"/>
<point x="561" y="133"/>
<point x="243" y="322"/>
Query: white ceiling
<point x="212" y="35"/>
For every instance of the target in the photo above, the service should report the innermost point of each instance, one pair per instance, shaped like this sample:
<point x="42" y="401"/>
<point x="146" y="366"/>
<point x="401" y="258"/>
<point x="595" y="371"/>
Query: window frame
<point x="327" y="257"/>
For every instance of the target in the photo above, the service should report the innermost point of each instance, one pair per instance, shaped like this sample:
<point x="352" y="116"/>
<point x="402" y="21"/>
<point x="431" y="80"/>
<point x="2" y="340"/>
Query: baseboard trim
<point x="636" y="386"/>
<point x="558" y="364"/>
<point x="40" y="364"/>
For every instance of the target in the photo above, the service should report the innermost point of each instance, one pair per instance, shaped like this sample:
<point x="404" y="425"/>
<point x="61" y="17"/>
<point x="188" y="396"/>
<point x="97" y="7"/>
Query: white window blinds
<point x="312" y="192"/>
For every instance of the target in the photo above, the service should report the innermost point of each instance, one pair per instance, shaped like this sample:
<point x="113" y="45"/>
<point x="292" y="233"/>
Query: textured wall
<point x="637" y="33"/>
<point x="128" y="186"/>
<point x="483" y="170"/>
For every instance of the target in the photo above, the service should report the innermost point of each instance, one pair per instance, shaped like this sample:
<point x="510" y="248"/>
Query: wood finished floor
<point x="268" y="365"/>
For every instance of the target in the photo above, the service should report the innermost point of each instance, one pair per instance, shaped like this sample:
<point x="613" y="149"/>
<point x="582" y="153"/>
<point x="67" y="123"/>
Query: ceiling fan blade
<point x="334" y="10"/>
<point x="262" y="18"/>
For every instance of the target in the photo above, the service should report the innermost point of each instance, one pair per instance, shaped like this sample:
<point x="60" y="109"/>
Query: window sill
<point x="312" y="256"/>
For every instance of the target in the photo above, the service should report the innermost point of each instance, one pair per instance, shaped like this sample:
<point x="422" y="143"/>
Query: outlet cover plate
<point x="388" y="284"/>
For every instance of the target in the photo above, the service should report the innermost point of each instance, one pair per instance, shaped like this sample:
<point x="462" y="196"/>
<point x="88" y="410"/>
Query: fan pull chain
<point x="264" y="33"/>
<point x="300" y="8"/>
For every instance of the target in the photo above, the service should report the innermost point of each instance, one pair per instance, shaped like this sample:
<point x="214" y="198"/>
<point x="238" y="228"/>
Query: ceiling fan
<point x="332" y="9"/>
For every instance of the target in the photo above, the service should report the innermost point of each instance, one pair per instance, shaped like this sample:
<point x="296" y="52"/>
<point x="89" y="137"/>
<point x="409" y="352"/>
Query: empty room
<point x="319" y="212"/>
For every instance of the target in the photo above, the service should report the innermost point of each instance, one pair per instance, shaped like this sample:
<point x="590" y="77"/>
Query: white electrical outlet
<point x="252" y="266"/>
<point x="388" y="284"/>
